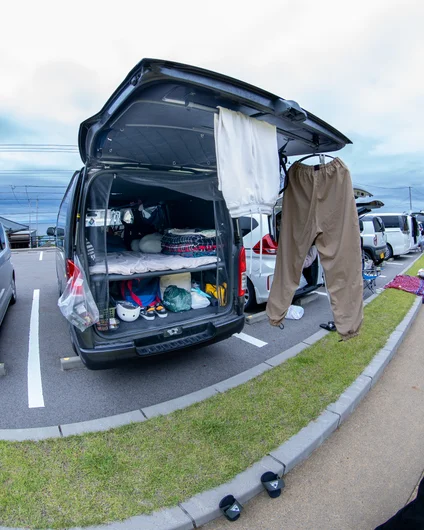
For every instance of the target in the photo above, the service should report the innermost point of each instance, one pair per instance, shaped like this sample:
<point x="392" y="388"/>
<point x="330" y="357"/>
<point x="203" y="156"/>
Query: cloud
<point x="356" y="65"/>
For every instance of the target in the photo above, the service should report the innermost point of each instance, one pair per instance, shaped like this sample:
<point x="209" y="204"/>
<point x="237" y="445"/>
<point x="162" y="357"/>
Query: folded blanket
<point x="190" y="232"/>
<point x="170" y="240"/>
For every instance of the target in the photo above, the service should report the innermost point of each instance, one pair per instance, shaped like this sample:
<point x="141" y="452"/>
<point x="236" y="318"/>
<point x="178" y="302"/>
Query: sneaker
<point x="161" y="311"/>
<point x="148" y="313"/>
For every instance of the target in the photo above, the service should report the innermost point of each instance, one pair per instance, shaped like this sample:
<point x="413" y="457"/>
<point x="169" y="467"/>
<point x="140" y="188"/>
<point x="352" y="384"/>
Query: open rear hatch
<point x="162" y="116"/>
<point x="153" y="143"/>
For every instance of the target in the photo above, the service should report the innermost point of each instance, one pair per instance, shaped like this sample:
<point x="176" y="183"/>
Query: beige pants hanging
<point x="319" y="206"/>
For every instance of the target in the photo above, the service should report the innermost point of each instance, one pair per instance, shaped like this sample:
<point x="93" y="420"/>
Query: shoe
<point x="329" y="327"/>
<point x="161" y="311"/>
<point x="148" y="313"/>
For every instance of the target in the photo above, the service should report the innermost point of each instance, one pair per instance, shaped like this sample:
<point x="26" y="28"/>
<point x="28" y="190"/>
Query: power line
<point x="36" y="170"/>
<point x="28" y="199"/>
<point x="13" y="191"/>
<point x="35" y="186"/>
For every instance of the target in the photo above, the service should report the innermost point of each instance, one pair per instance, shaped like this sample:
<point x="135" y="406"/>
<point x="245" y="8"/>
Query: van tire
<point x="389" y="252"/>
<point x="368" y="256"/>
<point x="14" y="295"/>
<point x="250" y="297"/>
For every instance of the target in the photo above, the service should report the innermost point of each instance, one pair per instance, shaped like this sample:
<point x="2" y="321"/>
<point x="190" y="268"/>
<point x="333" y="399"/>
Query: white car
<point x="397" y="232"/>
<point x="374" y="239"/>
<point x="260" y="272"/>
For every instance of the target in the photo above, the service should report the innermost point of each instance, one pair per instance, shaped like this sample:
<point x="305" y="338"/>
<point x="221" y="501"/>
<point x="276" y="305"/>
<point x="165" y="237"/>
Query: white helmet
<point x="127" y="312"/>
<point x="421" y="273"/>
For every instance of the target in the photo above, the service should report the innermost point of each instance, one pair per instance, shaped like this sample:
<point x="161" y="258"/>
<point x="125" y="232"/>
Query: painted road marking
<point x="41" y="256"/>
<point x="250" y="340"/>
<point x="35" y="388"/>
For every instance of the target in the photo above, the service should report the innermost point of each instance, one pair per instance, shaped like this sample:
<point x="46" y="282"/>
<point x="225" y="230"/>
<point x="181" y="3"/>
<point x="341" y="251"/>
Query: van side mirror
<point x="51" y="231"/>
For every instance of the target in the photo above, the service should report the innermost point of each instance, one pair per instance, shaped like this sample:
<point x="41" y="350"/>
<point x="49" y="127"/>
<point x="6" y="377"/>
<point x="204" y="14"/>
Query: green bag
<point x="176" y="299"/>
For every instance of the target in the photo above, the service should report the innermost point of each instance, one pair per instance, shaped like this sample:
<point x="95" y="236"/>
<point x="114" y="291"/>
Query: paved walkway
<point x="367" y="470"/>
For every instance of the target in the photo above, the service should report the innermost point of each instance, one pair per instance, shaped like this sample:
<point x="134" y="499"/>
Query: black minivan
<point x="150" y="168"/>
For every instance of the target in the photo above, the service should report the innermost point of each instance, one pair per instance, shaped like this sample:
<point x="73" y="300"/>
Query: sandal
<point x="230" y="507"/>
<point x="273" y="484"/>
<point x="148" y="313"/>
<point x="161" y="311"/>
<point x="329" y="327"/>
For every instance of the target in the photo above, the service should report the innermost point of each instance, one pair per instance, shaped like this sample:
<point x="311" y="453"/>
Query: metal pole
<point x="29" y="227"/>
<point x="36" y="224"/>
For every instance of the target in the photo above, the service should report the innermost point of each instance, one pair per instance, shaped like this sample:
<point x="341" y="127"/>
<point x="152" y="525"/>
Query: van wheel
<point x="249" y="297"/>
<point x="14" y="295"/>
<point x="389" y="252"/>
<point x="368" y="256"/>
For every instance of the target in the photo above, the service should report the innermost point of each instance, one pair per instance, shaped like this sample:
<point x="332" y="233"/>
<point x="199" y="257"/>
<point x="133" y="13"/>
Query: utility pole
<point x="36" y="235"/>
<point x="410" y="199"/>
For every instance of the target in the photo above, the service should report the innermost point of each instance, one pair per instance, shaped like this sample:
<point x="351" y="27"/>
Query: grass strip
<point x="136" y="469"/>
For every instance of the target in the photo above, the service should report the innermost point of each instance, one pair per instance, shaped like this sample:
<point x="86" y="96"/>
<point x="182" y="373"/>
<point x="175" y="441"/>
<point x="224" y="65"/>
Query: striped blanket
<point x="188" y="245"/>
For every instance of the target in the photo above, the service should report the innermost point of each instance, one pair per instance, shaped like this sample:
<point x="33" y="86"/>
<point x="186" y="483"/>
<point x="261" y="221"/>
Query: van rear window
<point x="247" y="225"/>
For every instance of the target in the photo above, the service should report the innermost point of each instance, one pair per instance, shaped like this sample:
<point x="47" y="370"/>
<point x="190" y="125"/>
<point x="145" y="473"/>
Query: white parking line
<point x="35" y="388"/>
<point x="396" y="264"/>
<point x="41" y="256"/>
<point x="250" y="340"/>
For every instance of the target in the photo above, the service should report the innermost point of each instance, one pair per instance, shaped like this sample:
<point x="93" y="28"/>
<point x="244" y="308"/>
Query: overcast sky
<point x="357" y="65"/>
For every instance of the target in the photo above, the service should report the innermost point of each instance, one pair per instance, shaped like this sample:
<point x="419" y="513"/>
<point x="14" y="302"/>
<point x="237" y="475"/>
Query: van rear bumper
<point x="110" y="354"/>
<point x="377" y="253"/>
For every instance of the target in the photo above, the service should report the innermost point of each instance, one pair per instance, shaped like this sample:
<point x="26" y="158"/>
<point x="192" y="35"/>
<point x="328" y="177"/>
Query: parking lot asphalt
<point x="53" y="396"/>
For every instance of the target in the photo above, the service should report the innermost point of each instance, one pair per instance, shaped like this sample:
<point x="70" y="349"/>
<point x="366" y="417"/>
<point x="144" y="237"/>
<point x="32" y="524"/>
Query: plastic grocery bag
<point x="199" y="299"/>
<point x="77" y="304"/>
<point x="295" y="312"/>
<point x="176" y="299"/>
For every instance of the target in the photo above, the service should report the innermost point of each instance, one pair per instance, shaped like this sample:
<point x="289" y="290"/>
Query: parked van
<point x="414" y="232"/>
<point x="374" y="240"/>
<point x="397" y="232"/>
<point x="260" y="270"/>
<point x="150" y="168"/>
<point x="7" y="275"/>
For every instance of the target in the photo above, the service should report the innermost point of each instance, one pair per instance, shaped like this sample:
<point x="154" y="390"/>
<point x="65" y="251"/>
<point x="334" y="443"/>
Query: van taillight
<point x="242" y="272"/>
<point x="71" y="269"/>
<point x="269" y="246"/>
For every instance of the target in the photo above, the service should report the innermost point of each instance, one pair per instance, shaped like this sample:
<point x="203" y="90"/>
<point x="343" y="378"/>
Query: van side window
<point x="391" y="221"/>
<point x="378" y="224"/>
<point x="2" y="239"/>
<point x="62" y="217"/>
<point x="246" y="224"/>
<point x="404" y="226"/>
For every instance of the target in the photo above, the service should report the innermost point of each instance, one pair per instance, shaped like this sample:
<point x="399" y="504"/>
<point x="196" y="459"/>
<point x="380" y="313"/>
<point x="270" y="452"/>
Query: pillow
<point x="151" y="244"/>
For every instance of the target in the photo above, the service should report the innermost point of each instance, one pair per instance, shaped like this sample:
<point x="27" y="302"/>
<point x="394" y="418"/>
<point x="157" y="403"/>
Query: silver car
<point x="7" y="275"/>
